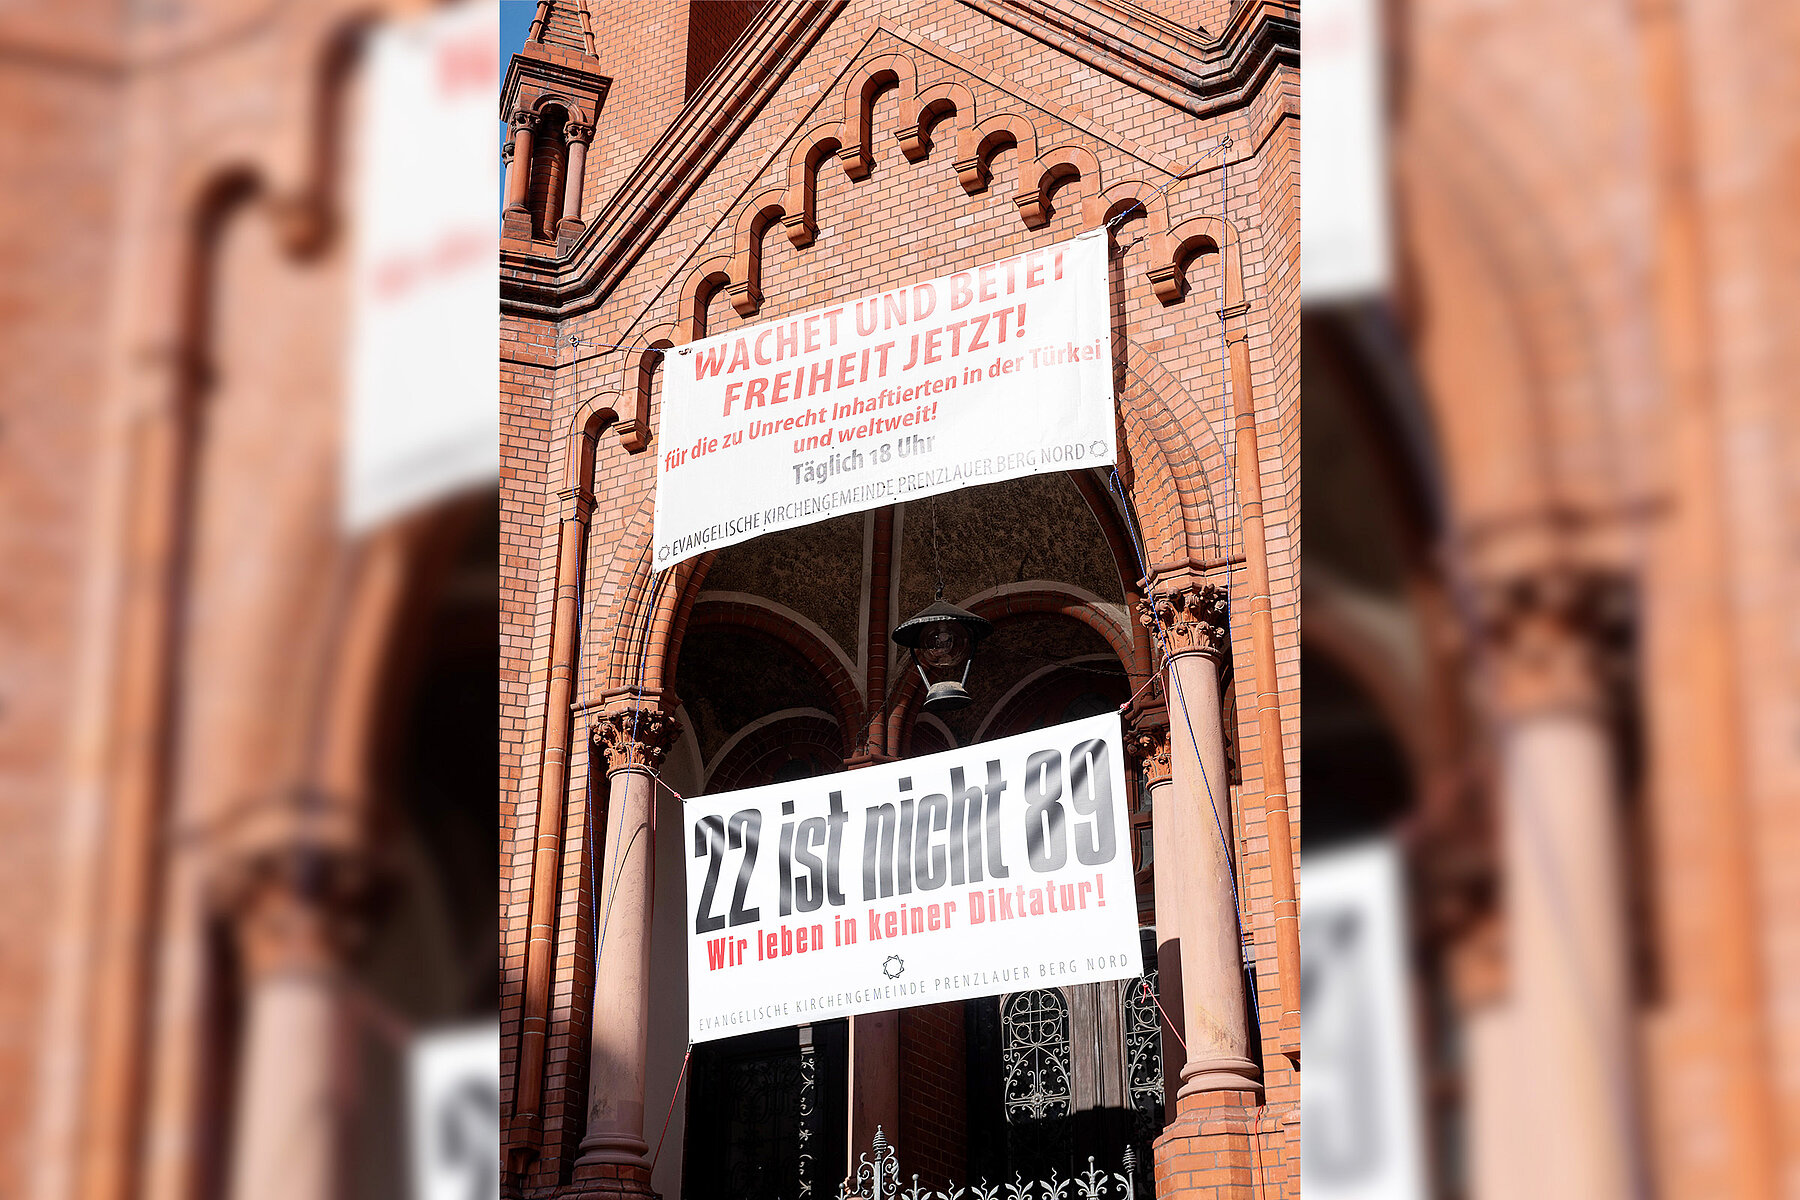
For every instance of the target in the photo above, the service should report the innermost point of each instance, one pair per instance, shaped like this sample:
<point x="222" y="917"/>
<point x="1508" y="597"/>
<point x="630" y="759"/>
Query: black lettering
<point x="929" y="868"/>
<point x="709" y="838"/>
<point x="811" y="890"/>
<point x="1090" y="793"/>
<point x="744" y="831"/>
<point x="1046" y="845"/>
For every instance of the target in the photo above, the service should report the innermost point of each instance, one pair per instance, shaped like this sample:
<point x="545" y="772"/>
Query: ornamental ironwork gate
<point x="766" y="1116"/>
<point x="877" y="1177"/>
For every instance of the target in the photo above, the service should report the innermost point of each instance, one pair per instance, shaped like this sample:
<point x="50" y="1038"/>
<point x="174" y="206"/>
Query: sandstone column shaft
<point x="1198" y="838"/>
<point x="634" y="740"/>
<point x="518" y="171"/>
<point x="577" y="167"/>
<point x="621" y="1030"/>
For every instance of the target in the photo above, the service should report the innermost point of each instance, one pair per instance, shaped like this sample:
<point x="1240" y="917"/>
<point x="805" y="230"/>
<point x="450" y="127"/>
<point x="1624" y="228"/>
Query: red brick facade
<point x="839" y="148"/>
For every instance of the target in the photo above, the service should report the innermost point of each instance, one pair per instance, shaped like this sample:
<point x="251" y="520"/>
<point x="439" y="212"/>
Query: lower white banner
<point x="997" y="868"/>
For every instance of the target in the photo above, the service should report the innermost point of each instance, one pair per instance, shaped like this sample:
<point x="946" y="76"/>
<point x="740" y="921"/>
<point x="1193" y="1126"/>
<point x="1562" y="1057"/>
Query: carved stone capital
<point x="1148" y="748"/>
<point x="297" y="899"/>
<point x="1189" y="619"/>
<point x="635" y="738"/>
<point x="523" y="118"/>
<point x="575" y="131"/>
<point x="1555" y="638"/>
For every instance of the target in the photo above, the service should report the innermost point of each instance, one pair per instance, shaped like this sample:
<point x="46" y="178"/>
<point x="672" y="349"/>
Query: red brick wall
<point x="906" y="220"/>
<point x="60" y="135"/>
<point x="712" y="26"/>
<point x="934" y="1134"/>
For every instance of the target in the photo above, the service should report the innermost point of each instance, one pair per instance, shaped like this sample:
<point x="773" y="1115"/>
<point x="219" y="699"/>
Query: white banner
<point x="1360" y="1107"/>
<point x="996" y="868"/>
<point x="1344" y="234"/>
<point x="424" y="419"/>
<point x="455" y="1112"/>
<point x="992" y="373"/>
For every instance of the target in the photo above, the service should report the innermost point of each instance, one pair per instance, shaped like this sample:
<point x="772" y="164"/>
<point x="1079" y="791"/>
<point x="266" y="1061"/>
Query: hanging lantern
<point x="943" y="638"/>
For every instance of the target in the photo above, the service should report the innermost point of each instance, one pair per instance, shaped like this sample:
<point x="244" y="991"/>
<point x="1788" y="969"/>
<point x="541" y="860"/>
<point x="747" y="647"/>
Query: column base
<point x="609" y="1181"/>
<point x="1203" y="1076"/>
<point x="568" y="232"/>
<point x="1213" y="1148"/>
<point x="515" y="223"/>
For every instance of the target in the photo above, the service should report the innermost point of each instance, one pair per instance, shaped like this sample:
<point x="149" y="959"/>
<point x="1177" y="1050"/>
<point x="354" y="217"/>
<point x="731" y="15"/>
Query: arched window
<point x="549" y="166"/>
<point x="1035" y="1055"/>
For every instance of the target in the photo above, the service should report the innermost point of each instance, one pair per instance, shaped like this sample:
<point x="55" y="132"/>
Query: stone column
<point x="1149" y="745"/>
<point x="577" y="137"/>
<point x="1207" y="1146"/>
<point x="615" y="1158"/>
<point x="294" y="906"/>
<point x="1568" y="995"/>
<point x="1190" y="623"/>
<point x="516" y="219"/>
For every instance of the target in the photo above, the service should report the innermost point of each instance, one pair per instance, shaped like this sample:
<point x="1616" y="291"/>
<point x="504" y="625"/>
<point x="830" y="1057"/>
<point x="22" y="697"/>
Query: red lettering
<point x="1034" y="269"/>
<point x="961" y="293"/>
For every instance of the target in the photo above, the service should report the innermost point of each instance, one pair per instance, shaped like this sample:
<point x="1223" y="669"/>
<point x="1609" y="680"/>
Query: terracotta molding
<point x="1204" y="79"/>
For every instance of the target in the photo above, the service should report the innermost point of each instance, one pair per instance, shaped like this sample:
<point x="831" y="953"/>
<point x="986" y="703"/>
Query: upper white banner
<point x="992" y="373"/>
<point x="423" y="419"/>
<point x="994" y="868"/>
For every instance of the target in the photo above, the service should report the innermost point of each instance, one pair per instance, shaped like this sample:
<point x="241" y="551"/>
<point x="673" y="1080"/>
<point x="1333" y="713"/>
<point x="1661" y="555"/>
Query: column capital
<point x="523" y="118"/>
<point x="295" y="889"/>
<point x="1147" y="746"/>
<point x="1555" y="637"/>
<point x="635" y="737"/>
<point x="1191" y="619"/>
<point x="577" y="131"/>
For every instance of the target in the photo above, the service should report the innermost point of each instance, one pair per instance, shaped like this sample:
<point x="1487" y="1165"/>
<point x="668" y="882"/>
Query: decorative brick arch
<point x="856" y="131"/>
<point x="1054" y="166"/>
<point x="638" y="384"/>
<point x="583" y="440"/>
<point x="1171" y="252"/>
<point x="976" y="146"/>
<point x="1126" y="200"/>
<point x="753" y="221"/>
<point x="703" y="282"/>
<point x="800" y="209"/>
<point x="940" y="100"/>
